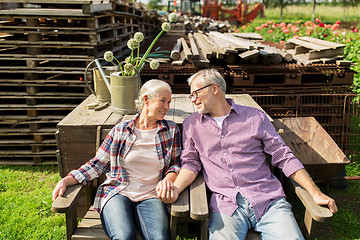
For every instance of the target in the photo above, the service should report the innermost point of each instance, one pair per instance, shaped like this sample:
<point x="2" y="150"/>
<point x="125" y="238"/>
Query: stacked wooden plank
<point x="45" y="46"/>
<point x="308" y="50"/>
<point x="230" y="48"/>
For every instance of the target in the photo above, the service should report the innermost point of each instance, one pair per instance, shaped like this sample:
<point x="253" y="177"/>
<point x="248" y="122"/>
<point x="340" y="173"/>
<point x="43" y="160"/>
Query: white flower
<point x="165" y="26"/>
<point x="173" y="17"/>
<point x="128" y="59"/>
<point x="139" y="37"/>
<point x="128" y="68"/>
<point x="154" y="64"/>
<point x="108" y="56"/>
<point x="132" y="44"/>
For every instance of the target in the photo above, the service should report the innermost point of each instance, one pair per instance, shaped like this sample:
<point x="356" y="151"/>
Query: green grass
<point x="329" y="14"/>
<point x="25" y="203"/>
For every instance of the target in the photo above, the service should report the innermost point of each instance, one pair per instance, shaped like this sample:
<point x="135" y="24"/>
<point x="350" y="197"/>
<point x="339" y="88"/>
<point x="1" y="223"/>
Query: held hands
<point x="166" y="191"/>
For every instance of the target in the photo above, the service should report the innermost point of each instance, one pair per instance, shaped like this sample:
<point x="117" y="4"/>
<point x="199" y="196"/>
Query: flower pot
<point x="124" y="91"/>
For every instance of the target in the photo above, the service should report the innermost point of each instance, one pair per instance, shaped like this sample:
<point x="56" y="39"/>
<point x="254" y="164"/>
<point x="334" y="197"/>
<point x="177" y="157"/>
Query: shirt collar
<point x="161" y="124"/>
<point x="233" y="108"/>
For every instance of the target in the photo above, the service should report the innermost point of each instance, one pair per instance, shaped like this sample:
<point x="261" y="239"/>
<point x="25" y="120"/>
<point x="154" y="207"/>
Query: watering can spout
<point x="106" y="80"/>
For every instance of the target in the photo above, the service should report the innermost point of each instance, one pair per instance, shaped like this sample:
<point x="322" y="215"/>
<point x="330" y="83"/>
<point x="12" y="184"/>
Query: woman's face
<point x="159" y="106"/>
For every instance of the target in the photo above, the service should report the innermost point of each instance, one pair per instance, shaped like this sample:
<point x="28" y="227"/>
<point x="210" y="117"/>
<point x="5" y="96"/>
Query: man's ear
<point x="216" y="88"/>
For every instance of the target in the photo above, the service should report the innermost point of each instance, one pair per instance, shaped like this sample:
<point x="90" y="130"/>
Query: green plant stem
<point x="148" y="50"/>
<point x="137" y="58"/>
<point x="119" y="64"/>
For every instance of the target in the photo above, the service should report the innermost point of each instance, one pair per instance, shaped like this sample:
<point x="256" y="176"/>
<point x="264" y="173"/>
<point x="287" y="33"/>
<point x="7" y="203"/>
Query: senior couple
<point x="146" y="168"/>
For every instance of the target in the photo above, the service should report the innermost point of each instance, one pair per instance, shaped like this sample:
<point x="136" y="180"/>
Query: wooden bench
<point x="191" y="209"/>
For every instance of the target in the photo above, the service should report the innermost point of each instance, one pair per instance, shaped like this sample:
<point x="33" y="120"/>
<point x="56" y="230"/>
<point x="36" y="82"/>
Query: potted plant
<point x="125" y="81"/>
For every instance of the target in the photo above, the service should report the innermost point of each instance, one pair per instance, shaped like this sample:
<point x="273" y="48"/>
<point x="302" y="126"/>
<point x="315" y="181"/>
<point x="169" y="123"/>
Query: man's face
<point x="201" y="95"/>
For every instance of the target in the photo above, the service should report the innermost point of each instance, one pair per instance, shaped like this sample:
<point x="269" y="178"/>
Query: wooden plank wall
<point x="45" y="47"/>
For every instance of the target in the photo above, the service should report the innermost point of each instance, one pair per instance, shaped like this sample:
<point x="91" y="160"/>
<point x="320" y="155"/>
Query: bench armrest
<point x="199" y="209"/>
<point x="181" y="207"/>
<point x="192" y="200"/>
<point x="66" y="202"/>
<point x="317" y="212"/>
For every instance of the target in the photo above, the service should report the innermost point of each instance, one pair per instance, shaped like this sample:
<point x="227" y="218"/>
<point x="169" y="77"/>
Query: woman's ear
<point x="146" y="99"/>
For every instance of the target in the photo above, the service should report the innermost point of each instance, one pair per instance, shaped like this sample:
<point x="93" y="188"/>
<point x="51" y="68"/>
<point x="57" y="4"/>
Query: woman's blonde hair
<point x="151" y="89"/>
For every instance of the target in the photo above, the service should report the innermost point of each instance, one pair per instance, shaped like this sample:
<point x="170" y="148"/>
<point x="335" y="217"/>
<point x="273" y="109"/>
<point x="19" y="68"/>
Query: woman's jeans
<point x="278" y="222"/>
<point x="121" y="218"/>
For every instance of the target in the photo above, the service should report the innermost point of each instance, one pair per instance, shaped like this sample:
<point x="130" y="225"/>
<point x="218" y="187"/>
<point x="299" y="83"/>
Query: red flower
<point x="286" y="30"/>
<point x="282" y="42"/>
<point x="325" y="35"/>
<point x="321" y="25"/>
<point x="355" y="30"/>
<point x="317" y="20"/>
<point x="338" y="22"/>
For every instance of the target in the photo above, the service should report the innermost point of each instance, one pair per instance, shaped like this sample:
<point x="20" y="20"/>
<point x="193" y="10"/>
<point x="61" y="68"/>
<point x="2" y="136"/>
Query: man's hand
<point x="303" y="178"/>
<point x="323" y="199"/>
<point x="166" y="191"/>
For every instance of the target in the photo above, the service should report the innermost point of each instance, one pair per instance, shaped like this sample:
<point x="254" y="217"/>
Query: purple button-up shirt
<point x="233" y="159"/>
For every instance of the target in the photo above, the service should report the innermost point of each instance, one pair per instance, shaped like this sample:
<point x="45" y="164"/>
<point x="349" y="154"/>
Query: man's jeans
<point x="121" y="217"/>
<point x="278" y="222"/>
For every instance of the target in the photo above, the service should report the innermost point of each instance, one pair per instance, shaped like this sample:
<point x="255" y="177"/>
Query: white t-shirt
<point x="219" y="120"/>
<point x="142" y="166"/>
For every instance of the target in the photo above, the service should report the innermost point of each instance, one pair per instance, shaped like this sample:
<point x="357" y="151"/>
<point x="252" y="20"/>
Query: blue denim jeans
<point x="278" y="222"/>
<point x="121" y="218"/>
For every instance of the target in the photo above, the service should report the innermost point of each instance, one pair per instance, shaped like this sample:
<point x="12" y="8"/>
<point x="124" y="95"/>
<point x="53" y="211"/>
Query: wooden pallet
<point x="290" y="74"/>
<point x="308" y="50"/>
<point x="57" y="8"/>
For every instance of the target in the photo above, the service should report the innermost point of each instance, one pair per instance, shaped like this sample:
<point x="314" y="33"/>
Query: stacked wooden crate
<point x="45" y="46"/>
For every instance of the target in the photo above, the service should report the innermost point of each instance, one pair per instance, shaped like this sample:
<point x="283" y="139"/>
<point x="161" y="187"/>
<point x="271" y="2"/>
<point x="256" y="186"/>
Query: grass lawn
<point x="25" y="203"/>
<point x="25" y="206"/>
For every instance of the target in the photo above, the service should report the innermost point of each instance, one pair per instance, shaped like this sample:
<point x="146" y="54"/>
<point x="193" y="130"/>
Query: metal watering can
<point x="109" y="85"/>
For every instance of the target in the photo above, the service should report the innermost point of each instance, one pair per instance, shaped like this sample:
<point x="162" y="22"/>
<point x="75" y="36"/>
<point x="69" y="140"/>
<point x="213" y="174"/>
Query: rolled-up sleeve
<point x="282" y="156"/>
<point x="189" y="155"/>
<point x="175" y="155"/>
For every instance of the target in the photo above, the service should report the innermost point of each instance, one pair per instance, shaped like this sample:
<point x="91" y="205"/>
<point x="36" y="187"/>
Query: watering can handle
<point x="103" y="75"/>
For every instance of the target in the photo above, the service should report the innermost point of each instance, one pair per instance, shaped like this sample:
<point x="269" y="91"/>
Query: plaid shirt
<point x="110" y="156"/>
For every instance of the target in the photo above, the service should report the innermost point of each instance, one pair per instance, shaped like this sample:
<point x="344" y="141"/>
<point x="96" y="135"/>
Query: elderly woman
<point x="138" y="156"/>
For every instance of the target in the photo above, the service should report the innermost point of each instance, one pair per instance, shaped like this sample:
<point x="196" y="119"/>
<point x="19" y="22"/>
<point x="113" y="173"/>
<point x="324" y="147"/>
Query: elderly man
<point x="228" y="143"/>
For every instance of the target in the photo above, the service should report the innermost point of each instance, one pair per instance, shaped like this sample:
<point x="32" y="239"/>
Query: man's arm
<point x="169" y="193"/>
<point x="303" y="178"/>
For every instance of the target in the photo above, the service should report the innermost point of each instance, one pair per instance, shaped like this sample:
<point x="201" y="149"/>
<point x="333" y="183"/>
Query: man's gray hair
<point x="151" y="89"/>
<point x="209" y="76"/>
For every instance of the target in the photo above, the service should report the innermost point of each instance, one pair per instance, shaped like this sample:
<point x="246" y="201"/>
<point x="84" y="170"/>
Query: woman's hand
<point x="61" y="186"/>
<point x="165" y="191"/>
